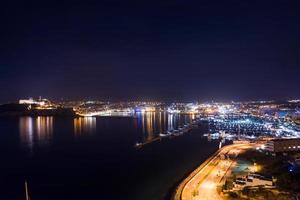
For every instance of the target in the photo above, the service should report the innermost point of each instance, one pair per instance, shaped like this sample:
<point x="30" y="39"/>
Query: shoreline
<point x="178" y="189"/>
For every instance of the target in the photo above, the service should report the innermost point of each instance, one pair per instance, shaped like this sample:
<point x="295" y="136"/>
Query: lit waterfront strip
<point x="178" y="194"/>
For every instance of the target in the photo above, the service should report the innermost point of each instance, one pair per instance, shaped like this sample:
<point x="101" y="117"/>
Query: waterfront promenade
<point x="202" y="183"/>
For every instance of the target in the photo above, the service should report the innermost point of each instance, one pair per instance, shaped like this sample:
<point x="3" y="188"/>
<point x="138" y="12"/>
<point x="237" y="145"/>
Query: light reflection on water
<point x="39" y="130"/>
<point x="35" y="130"/>
<point x="84" y="125"/>
<point x="152" y="124"/>
<point x="44" y="128"/>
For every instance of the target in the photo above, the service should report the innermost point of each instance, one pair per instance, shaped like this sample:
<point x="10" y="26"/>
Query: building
<point x="30" y="101"/>
<point x="283" y="145"/>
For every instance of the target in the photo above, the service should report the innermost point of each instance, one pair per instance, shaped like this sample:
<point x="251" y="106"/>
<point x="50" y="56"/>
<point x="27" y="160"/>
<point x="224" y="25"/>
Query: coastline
<point x="177" y="190"/>
<point x="177" y="194"/>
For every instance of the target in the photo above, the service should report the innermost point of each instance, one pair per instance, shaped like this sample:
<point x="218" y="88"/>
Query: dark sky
<point x="164" y="50"/>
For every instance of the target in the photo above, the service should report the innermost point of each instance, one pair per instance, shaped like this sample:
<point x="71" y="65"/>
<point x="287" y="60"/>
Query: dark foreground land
<point x="15" y="109"/>
<point x="282" y="167"/>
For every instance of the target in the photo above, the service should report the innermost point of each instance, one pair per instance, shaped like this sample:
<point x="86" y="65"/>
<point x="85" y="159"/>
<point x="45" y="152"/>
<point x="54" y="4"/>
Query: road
<point x="202" y="185"/>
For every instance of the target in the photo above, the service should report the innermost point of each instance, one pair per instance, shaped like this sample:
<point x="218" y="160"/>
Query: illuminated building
<point x="40" y="102"/>
<point x="283" y="145"/>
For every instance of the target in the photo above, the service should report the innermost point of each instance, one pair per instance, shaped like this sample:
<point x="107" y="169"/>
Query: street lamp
<point x="254" y="167"/>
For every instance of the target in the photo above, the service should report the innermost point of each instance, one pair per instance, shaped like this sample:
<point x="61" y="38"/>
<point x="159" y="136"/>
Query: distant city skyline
<point x="86" y="99"/>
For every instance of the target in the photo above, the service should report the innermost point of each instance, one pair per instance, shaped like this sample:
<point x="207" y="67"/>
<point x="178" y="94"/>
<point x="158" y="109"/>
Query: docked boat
<point x="169" y="132"/>
<point x="138" y="145"/>
<point x="163" y="134"/>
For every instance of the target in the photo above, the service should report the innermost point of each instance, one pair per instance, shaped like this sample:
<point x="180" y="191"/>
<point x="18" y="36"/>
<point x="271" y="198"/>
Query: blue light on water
<point x="291" y="169"/>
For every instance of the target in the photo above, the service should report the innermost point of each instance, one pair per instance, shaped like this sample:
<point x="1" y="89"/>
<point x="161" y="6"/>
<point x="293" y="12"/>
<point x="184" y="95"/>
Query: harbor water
<point x="97" y="158"/>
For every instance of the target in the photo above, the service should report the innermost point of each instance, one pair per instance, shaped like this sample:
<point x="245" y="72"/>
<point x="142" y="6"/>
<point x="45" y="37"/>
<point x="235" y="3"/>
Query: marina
<point x="175" y="127"/>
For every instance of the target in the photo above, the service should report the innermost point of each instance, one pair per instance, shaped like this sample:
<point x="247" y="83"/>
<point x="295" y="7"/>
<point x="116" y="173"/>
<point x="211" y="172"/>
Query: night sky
<point x="151" y="50"/>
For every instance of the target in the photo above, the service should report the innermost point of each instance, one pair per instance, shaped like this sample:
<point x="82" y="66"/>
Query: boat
<point x="163" y="135"/>
<point x="177" y="132"/>
<point x="169" y="133"/>
<point x="138" y="144"/>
